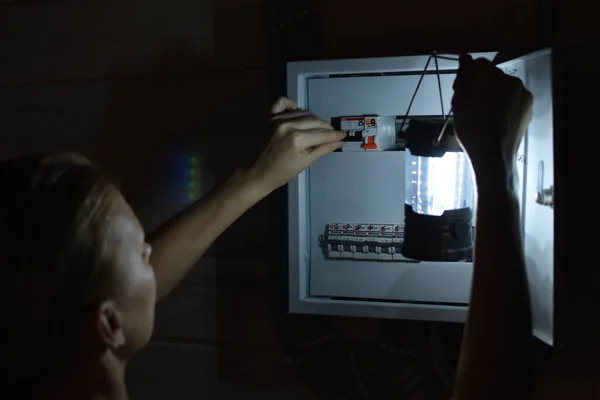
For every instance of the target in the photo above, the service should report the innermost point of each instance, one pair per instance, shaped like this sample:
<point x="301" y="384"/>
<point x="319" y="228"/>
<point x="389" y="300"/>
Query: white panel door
<point x="538" y="220"/>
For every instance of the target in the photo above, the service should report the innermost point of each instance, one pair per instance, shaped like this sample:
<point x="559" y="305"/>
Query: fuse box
<point x="346" y="212"/>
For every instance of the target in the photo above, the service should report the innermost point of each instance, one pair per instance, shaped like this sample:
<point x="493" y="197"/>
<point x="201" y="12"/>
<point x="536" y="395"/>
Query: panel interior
<point x="368" y="187"/>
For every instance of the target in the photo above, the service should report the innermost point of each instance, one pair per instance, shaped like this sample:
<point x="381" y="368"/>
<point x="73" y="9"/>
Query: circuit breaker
<point x="367" y="133"/>
<point x="380" y="242"/>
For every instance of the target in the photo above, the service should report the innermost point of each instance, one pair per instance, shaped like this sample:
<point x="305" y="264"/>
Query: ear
<point x="110" y="325"/>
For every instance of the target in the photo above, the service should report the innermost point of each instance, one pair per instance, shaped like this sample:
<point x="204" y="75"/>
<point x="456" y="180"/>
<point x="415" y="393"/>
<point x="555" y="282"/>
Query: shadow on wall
<point x="158" y="135"/>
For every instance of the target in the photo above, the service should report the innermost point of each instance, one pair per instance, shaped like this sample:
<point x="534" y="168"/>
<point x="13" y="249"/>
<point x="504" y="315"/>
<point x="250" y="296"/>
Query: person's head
<point x="76" y="283"/>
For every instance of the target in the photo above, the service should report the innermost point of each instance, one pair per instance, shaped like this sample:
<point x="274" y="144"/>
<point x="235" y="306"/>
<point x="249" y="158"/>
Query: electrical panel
<point x="347" y="213"/>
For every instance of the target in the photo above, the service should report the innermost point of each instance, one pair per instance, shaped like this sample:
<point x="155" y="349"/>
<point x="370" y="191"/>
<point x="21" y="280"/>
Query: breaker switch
<point x="381" y="242"/>
<point x="370" y="143"/>
<point x="367" y="132"/>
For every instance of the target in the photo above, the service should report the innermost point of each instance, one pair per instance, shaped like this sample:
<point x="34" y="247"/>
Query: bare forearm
<point x="180" y="242"/>
<point x="496" y="353"/>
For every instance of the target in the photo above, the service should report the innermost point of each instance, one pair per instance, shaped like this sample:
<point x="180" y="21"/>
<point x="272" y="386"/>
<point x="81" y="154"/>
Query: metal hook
<point x="415" y="93"/>
<point x="497" y="59"/>
<point x="439" y="80"/>
<point x="437" y="140"/>
<point x="435" y="57"/>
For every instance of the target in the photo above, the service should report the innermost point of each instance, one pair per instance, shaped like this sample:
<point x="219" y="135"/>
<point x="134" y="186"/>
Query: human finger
<point x="304" y="124"/>
<point x="464" y="75"/>
<point x="291" y="114"/>
<point x="283" y="104"/>
<point x="316" y="137"/>
<point x="324" y="149"/>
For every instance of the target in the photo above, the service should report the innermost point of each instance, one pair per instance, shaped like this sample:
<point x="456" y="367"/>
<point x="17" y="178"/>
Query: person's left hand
<point x="299" y="139"/>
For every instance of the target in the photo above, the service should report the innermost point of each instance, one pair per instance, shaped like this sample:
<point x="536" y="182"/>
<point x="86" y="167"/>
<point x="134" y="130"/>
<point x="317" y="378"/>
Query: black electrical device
<point x="448" y="237"/>
<point x="445" y="237"/>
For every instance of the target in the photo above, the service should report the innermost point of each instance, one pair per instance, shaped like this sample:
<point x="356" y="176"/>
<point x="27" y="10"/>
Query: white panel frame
<point x="535" y="216"/>
<point x="300" y="301"/>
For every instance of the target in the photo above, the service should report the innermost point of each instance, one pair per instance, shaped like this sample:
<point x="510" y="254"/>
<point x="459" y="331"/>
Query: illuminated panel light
<point x="444" y="183"/>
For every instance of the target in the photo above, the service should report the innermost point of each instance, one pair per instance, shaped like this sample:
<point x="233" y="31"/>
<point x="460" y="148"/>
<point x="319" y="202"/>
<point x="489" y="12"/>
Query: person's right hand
<point x="299" y="139"/>
<point x="491" y="113"/>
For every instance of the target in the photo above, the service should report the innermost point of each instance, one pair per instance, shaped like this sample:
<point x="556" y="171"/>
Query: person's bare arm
<point x="495" y="359"/>
<point x="298" y="140"/>
<point x="179" y="243"/>
<point x="492" y="111"/>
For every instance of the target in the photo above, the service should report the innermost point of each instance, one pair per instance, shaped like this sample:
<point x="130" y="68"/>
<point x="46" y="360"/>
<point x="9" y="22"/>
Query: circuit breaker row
<point x="365" y="241"/>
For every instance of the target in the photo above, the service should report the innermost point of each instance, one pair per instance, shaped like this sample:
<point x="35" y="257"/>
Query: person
<point x="81" y="279"/>
<point x="492" y="111"/>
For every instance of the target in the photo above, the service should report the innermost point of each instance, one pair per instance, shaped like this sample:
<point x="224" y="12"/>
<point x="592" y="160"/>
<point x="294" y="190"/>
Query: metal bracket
<point x="543" y="196"/>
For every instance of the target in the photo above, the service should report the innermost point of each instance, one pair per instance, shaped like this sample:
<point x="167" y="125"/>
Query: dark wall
<point x="132" y="84"/>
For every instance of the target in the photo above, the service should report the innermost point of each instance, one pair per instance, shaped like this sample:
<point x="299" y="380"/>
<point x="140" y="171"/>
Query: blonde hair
<point x="52" y="212"/>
